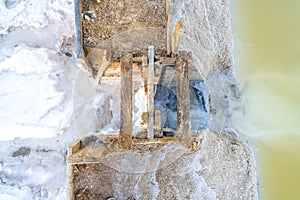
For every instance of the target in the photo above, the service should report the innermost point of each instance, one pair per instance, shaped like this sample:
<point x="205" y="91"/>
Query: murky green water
<point x="267" y="56"/>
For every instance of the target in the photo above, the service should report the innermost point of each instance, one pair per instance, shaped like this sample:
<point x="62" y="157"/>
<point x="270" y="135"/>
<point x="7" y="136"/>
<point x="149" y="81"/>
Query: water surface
<point x="267" y="58"/>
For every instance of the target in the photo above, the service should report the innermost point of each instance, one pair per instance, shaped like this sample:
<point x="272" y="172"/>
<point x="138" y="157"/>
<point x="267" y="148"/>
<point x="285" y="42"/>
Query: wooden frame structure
<point x="95" y="56"/>
<point x="152" y="58"/>
<point x="181" y="63"/>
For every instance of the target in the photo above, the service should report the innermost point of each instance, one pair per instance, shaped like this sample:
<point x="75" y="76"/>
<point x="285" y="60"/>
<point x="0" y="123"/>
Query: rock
<point x="22" y="151"/>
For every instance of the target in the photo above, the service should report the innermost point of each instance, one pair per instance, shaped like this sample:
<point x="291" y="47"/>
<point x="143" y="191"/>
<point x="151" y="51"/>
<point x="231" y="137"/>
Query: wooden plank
<point x="154" y="140"/>
<point x="176" y="39"/>
<point x="125" y="135"/>
<point x="157" y="124"/>
<point x="145" y="73"/>
<point x="144" y="119"/>
<point x="79" y="41"/>
<point x="151" y="93"/>
<point x="70" y="185"/>
<point x="167" y="61"/>
<point x="183" y="100"/>
<point x="74" y="148"/>
<point x="157" y="121"/>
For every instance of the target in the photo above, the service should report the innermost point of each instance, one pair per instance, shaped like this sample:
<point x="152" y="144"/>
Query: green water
<point x="267" y="58"/>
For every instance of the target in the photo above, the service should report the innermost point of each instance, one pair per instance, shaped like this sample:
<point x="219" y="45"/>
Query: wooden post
<point x="125" y="135"/>
<point x="151" y="93"/>
<point x="145" y="73"/>
<point x="157" y="124"/>
<point x="79" y="40"/>
<point x="70" y="186"/>
<point x="176" y="39"/>
<point x="183" y="100"/>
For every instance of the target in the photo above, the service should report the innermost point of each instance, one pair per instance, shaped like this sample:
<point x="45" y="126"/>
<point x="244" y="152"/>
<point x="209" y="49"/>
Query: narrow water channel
<point x="267" y="59"/>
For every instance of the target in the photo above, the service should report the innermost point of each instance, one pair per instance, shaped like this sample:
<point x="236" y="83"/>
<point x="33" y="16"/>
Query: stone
<point x="22" y="151"/>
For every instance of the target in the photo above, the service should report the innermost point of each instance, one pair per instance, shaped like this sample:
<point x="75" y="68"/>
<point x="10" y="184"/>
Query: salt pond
<point x="267" y="59"/>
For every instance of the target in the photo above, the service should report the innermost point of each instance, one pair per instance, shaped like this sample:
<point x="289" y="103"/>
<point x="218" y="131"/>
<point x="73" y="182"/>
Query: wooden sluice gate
<point x="147" y="46"/>
<point x="151" y="118"/>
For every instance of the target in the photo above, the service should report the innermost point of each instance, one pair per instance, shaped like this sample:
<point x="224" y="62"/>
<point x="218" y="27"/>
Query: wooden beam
<point x="151" y="93"/>
<point x="176" y="39"/>
<point x="157" y="124"/>
<point x="79" y="40"/>
<point x="70" y="185"/>
<point x="125" y="135"/>
<point x="145" y="73"/>
<point x="165" y="140"/>
<point x="167" y="61"/>
<point x="74" y="148"/>
<point x="183" y="100"/>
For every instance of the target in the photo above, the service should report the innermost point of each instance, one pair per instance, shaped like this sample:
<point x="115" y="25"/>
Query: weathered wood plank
<point x="70" y="185"/>
<point x="79" y="40"/>
<point x="157" y="124"/>
<point x="167" y="61"/>
<point x="125" y="135"/>
<point x="145" y="73"/>
<point x="164" y="140"/>
<point x="176" y="39"/>
<point x="151" y="93"/>
<point x="183" y="100"/>
<point x="74" y="148"/>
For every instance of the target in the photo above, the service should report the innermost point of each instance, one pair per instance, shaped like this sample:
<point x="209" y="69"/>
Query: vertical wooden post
<point x="79" y="39"/>
<point x="125" y="135"/>
<point x="70" y="186"/>
<point x="151" y="93"/>
<point x="145" y="73"/>
<point x="183" y="100"/>
<point x="176" y="39"/>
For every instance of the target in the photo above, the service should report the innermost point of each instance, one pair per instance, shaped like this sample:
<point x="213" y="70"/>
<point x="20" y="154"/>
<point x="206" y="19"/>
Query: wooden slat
<point x="157" y="124"/>
<point x="79" y="41"/>
<point x="125" y="135"/>
<point x="74" y="148"/>
<point x="167" y="61"/>
<point x="151" y="93"/>
<point x="176" y="39"/>
<point x="145" y="73"/>
<point x="183" y="100"/>
<point x="70" y="186"/>
<point x="154" y="140"/>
